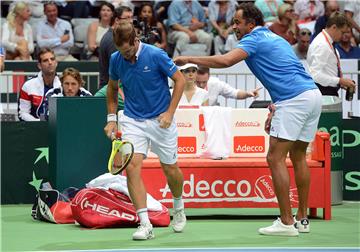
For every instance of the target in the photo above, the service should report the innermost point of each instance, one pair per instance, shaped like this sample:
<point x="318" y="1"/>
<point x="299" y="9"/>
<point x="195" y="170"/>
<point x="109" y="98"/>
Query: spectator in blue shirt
<point x="346" y="50"/>
<point x="297" y="103"/>
<point x="187" y="22"/>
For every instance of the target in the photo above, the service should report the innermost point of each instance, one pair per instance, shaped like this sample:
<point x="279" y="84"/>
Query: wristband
<point x="111" y="118"/>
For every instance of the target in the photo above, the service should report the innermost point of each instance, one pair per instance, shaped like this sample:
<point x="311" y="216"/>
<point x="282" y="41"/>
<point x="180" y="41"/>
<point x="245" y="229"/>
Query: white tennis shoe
<point x="179" y="220"/>
<point x="302" y="225"/>
<point x="279" y="229"/>
<point x="144" y="232"/>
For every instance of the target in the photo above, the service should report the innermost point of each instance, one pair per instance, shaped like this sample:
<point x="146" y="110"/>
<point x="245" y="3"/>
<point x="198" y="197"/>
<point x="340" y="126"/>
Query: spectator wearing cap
<point x="303" y="42"/>
<point x="286" y="26"/>
<point x="192" y="94"/>
<point x="346" y="50"/>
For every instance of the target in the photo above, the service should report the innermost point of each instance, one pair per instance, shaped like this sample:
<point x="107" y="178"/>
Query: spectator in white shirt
<point x="17" y="36"/>
<point x="55" y="33"/>
<point x="216" y="87"/>
<point x="323" y="59"/>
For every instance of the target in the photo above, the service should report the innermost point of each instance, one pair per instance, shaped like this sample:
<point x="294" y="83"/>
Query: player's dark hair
<point x="251" y="14"/>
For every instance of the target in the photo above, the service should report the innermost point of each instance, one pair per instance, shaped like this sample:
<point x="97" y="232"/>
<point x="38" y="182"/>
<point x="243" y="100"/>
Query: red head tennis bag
<point x="99" y="208"/>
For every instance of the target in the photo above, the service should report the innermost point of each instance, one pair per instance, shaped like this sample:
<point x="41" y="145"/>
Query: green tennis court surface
<point x="215" y="229"/>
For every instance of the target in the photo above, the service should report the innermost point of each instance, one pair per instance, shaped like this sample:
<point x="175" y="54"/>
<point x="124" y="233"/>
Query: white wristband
<point x="111" y="118"/>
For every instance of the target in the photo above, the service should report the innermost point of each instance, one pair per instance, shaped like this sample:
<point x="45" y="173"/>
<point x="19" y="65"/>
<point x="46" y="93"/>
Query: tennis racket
<point x="121" y="155"/>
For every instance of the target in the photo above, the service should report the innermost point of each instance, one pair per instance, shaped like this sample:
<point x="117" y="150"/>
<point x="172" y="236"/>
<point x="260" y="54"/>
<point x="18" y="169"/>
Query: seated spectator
<point x="71" y="86"/>
<point x="17" y="35"/>
<point x="55" y="33"/>
<point x="146" y="15"/>
<point x="103" y="93"/>
<point x="269" y="9"/>
<point x="216" y="87"/>
<point x="97" y="29"/>
<point x="286" y="26"/>
<point x="331" y="6"/>
<point x="32" y="93"/>
<point x="192" y="94"/>
<point x="346" y="50"/>
<point x="308" y="10"/>
<point x="303" y="42"/>
<point x="221" y="14"/>
<point x="352" y="12"/>
<point x="186" y="25"/>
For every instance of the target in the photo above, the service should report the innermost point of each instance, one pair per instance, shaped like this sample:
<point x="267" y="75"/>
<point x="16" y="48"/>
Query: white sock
<point x="178" y="203"/>
<point x="143" y="215"/>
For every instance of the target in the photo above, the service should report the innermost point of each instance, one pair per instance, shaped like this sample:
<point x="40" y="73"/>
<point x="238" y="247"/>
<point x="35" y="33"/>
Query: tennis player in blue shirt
<point x="297" y="103"/>
<point x="148" y="118"/>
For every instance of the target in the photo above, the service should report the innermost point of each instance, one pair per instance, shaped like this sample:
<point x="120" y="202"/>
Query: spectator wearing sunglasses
<point x="285" y="26"/>
<point x="346" y="50"/>
<point x="192" y="94"/>
<point x="331" y="6"/>
<point x="303" y="42"/>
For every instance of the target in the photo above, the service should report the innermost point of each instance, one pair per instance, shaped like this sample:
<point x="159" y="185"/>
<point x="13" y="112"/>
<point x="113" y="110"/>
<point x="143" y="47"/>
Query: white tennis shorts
<point x="146" y="134"/>
<point x="297" y="118"/>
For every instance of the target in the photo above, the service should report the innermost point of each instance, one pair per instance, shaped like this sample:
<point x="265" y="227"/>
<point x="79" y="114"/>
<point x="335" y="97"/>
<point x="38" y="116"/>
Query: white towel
<point x="218" y="132"/>
<point x="118" y="183"/>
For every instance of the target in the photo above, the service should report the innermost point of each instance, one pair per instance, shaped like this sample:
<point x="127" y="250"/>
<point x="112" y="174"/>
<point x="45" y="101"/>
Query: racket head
<point x="120" y="157"/>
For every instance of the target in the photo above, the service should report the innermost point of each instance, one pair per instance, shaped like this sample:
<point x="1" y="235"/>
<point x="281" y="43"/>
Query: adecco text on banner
<point x="249" y="144"/>
<point x="186" y="145"/>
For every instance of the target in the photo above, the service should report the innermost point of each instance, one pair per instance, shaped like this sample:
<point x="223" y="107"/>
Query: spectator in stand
<point x="344" y="47"/>
<point x="55" y="33"/>
<point x="220" y="16"/>
<point x="17" y="35"/>
<point x="186" y="25"/>
<point x="32" y="93"/>
<point x="269" y="9"/>
<point x="192" y="95"/>
<point x="98" y="28"/>
<point x="286" y="26"/>
<point x="331" y="6"/>
<point x="308" y="10"/>
<point x="69" y="9"/>
<point x="303" y="42"/>
<point x="146" y="15"/>
<point x="217" y="87"/>
<point x="2" y="59"/>
<point x="107" y="46"/>
<point x="71" y="86"/>
<point x="352" y="12"/>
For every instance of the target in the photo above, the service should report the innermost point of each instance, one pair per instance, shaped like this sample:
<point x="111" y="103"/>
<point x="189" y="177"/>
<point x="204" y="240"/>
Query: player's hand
<point x="165" y="120"/>
<point x="110" y="130"/>
<point x="254" y="93"/>
<point x="181" y="60"/>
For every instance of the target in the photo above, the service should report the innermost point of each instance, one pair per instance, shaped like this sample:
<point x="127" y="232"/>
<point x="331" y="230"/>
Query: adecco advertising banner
<point x="249" y="137"/>
<point x="230" y="187"/>
<point x="247" y="127"/>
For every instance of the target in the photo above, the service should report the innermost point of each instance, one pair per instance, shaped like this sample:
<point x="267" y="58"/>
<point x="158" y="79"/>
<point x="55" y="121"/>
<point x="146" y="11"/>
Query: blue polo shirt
<point x="145" y="82"/>
<point x="273" y="61"/>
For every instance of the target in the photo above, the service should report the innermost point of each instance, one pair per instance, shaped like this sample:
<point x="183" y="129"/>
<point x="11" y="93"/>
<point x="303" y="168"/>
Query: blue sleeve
<point x="167" y="66"/>
<point x="200" y="11"/>
<point x="112" y="67"/>
<point x="248" y="44"/>
<point x="173" y="14"/>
